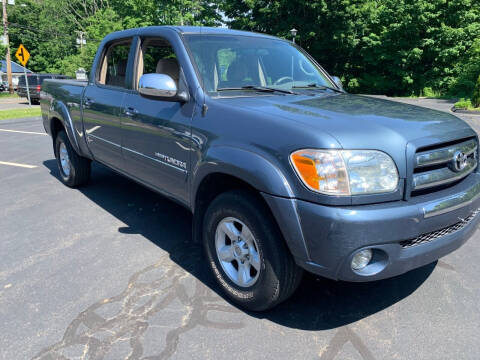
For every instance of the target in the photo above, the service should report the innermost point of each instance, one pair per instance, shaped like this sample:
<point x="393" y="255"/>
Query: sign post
<point x="23" y="55"/>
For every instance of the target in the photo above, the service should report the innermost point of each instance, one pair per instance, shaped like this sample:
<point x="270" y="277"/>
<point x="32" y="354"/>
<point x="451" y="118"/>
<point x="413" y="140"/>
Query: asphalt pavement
<point x="109" y="271"/>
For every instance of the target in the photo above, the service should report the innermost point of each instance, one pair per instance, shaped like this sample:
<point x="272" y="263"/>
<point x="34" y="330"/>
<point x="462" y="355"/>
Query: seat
<point x="116" y="76"/>
<point x="169" y="67"/>
<point x="244" y="71"/>
<point x="237" y="73"/>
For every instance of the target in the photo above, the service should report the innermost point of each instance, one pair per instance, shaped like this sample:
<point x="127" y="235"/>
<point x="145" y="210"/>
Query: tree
<point x="49" y="28"/>
<point x="40" y="27"/>
<point x="468" y="70"/>
<point x="394" y="47"/>
<point x="476" y="94"/>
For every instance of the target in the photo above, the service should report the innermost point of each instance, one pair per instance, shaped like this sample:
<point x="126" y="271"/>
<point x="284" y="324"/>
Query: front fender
<point x="268" y="179"/>
<point x="251" y="167"/>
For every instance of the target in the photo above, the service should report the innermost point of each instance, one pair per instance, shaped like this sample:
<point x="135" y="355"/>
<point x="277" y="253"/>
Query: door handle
<point x="88" y="102"/>
<point x="130" y="111"/>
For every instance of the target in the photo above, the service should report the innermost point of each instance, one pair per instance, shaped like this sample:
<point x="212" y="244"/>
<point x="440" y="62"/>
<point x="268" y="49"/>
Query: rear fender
<point x="60" y="111"/>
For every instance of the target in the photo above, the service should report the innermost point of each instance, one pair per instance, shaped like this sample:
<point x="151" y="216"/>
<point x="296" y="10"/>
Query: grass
<point x="4" y="95"/>
<point x="430" y="93"/>
<point x="19" y="113"/>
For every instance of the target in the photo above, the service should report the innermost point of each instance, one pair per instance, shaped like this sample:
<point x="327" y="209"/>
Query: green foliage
<point x="3" y="51"/>
<point x="394" y="47"/>
<point x="476" y="94"/>
<point x="40" y="26"/>
<point x="103" y="22"/>
<point x="49" y="28"/>
<point x="429" y="92"/>
<point x="463" y="104"/>
<point x="468" y="70"/>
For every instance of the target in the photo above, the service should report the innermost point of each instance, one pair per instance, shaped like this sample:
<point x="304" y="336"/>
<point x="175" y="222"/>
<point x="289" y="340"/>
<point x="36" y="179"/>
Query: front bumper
<point x="323" y="239"/>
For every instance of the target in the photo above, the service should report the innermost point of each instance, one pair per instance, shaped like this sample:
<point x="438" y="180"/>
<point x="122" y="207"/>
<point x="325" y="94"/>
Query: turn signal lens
<point x="322" y="170"/>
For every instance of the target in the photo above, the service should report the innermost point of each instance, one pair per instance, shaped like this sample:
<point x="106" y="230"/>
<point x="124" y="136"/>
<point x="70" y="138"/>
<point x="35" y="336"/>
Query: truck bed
<point x="62" y="99"/>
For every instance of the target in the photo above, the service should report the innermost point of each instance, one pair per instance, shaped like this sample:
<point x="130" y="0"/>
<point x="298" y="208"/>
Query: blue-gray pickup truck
<point x="282" y="169"/>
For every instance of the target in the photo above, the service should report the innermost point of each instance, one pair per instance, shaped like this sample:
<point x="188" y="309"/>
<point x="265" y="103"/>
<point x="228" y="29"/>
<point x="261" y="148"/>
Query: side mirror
<point x="162" y="87"/>
<point x="337" y="81"/>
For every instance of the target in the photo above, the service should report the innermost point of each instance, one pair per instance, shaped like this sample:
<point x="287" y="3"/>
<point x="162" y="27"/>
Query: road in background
<point x="109" y="271"/>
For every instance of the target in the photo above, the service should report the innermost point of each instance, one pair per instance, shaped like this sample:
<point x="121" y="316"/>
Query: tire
<point x="77" y="172"/>
<point x="278" y="275"/>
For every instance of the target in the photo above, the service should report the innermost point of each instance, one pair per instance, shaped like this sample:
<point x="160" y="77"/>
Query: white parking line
<point x="24" y="132"/>
<point x="18" y="165"/>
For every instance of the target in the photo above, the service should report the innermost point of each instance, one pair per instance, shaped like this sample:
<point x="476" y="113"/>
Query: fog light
<point x="361" y="259"/>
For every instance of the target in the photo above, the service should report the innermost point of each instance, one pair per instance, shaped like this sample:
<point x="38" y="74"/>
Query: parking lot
<point x="110" y="271"/>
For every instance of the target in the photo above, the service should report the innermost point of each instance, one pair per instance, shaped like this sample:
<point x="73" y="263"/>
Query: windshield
<point x="232" y="62"/>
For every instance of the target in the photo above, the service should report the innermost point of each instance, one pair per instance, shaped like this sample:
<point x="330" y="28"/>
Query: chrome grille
<point x="428" y="237"/>
<point x="444" y="165"/>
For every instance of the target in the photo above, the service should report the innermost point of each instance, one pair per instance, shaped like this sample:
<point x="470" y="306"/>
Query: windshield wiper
<point x="320" y="87"/>
<point x="257" y="88"/>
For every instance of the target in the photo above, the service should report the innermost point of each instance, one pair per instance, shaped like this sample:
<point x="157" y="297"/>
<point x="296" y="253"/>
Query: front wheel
<point x="74" y="169"/>
<point x="247" y="253"/>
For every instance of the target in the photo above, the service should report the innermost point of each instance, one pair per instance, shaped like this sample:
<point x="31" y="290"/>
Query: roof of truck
<point x="216" y="30"/>
<point x="187" y="30"/>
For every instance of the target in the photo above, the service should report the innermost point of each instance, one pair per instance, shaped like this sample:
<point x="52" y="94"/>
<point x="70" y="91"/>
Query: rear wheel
<point x="247" y="253"/>
<point x="74" y="169"/>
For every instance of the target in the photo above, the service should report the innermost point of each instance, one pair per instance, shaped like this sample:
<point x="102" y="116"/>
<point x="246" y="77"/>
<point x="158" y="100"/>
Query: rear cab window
<point x="113" y="67"/>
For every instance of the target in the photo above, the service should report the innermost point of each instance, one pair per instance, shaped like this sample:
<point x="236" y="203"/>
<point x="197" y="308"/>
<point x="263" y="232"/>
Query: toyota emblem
<point x="459" y="161"/>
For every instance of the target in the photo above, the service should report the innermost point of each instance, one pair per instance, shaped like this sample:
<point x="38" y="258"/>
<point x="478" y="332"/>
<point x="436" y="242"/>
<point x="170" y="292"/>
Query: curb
<point x="460" y="111"/>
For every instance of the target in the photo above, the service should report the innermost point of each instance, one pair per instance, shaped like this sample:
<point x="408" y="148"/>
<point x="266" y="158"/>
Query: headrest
<point x="169" y="67"/>
<point x="121" y="67"/>
<point x="237" y="71"/>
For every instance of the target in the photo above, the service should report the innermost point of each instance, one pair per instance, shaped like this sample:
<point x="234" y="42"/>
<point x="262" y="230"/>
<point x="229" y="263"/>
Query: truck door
<point x="156" y="140"/>
<point x="102" y="104"/>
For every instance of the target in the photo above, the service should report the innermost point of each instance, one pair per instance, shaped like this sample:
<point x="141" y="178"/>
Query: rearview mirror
<point x="337" y="81"/>
<point x="160" y="86"/>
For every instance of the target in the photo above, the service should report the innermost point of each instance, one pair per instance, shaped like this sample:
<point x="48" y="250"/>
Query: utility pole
<point x="5" y="34"/>
<point x="81" y="40"/>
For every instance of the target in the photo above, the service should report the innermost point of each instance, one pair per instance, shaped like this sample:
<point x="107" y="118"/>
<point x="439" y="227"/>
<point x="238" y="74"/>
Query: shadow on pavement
<point x="318" y="304"/>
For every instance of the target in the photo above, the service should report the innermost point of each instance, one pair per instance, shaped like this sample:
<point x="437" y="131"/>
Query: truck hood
<point x="356" y="120"/>
<point x="361" y="122"/>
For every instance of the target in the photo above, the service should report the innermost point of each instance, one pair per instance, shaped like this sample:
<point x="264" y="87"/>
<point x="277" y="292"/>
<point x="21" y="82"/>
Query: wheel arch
<point x="227" y="169"/>
<point x="249" y="167"/>
<point x="59" y="114"/>
<point x="212" y="185"/>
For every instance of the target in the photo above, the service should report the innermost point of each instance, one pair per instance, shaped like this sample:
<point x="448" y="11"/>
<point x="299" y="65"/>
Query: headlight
<point x="346" y="172"/>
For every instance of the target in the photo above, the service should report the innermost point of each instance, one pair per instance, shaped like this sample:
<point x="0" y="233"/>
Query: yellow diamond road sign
<point x="22" y="55"/>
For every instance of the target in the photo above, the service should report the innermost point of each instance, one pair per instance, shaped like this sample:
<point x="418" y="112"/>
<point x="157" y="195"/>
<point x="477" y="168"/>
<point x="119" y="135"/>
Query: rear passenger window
<point x="114" y="65"/>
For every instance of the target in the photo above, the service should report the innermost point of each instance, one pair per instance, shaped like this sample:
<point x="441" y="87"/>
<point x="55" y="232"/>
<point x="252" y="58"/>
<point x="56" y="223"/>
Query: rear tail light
<point x="39" y="87"/>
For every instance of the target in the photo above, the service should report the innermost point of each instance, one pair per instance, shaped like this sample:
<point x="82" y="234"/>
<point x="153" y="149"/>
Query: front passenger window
<point x="158" y="56"/>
